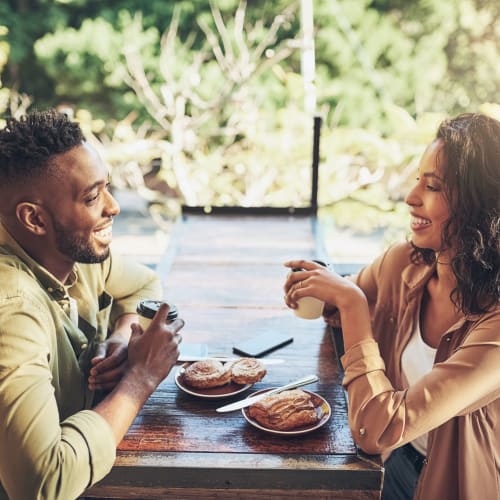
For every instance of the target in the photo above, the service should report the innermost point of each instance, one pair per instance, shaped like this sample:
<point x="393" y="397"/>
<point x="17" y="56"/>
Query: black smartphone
<point x="262" y="344"/>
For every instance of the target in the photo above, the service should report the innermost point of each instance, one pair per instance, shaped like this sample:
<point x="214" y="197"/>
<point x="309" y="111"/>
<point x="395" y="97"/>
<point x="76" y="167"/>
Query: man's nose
<point x="112" y="206"/>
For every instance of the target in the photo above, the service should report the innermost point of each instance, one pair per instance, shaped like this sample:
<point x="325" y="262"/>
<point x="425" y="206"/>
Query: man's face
<point x="80" y="206"/>
<point x="79" y="247"/>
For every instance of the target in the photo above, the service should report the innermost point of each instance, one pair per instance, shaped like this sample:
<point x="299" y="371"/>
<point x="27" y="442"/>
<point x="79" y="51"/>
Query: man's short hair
<point x="28" y="144"/>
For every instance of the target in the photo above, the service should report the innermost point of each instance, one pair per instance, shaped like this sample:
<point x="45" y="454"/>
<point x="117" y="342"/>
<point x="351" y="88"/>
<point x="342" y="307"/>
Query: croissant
<point x="207" y="373"/>
<point x="285" y="411"/>
<point x="247" y="371"/>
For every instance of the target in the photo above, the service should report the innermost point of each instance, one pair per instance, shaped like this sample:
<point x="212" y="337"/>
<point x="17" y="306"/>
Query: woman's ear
<point x="32" y="217"/>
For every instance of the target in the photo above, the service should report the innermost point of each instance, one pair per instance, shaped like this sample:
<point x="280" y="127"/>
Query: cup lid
<point x="148" y="308"/>
<point x="320" y="262"/>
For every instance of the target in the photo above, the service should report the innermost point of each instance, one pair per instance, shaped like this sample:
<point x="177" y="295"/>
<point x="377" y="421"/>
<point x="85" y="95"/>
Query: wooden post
<point x="315" y="163"/>
<point x="307" y="61"/>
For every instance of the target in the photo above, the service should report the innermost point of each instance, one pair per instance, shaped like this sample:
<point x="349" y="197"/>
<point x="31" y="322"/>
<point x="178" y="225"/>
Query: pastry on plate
<point x="285" y="411"/>
<point x="206" y="374"/>
<point x="247" y="371"/>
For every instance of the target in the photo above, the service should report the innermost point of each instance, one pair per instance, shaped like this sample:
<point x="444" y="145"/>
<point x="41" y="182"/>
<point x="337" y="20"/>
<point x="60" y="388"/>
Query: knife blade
<point x="186" y="359"/>
<point x="243" y="403"/>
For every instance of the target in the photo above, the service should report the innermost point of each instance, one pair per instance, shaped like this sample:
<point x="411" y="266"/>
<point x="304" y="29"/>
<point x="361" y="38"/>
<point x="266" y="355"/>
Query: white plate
<point x="323" y="410"/>
<point x="223" y="391"/>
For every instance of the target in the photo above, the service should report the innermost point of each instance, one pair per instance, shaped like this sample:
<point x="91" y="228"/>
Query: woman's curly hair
<point x="470" y="163"/>
<point x="28" y="144"/>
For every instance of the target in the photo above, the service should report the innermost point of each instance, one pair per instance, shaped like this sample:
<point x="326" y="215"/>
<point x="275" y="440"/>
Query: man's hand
<point x="109" y="364"/>
<point x="154" y="352"/>
<point x="151" y="356"/>
<point x="110" y="360"/>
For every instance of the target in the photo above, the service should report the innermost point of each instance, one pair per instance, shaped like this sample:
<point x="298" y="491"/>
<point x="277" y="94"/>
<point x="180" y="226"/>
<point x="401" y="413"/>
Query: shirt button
<point x="83" y="347"/>
<point x="362" y="431"/>
<point x="50" y="289"/>
<point x="448" y="339"/>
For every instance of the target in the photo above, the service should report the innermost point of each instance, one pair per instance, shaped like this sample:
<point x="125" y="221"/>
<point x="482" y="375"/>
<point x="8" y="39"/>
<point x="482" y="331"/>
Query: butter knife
<point x="253" y="399"/>
<point x="264" y="361"/>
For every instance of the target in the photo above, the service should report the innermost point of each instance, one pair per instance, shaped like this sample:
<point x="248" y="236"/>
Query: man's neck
<point x="58" y="265"/>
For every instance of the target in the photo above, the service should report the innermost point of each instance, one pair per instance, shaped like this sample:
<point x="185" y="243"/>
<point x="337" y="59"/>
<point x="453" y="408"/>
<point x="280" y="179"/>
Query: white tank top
<point x="417" y="360"/>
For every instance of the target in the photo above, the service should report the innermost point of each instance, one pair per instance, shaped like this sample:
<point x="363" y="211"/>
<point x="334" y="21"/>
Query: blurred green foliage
<point x="214" y="90"/>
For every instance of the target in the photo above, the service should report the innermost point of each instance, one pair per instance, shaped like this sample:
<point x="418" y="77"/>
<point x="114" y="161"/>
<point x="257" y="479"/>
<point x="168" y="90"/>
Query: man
<point x="67" y="315"/>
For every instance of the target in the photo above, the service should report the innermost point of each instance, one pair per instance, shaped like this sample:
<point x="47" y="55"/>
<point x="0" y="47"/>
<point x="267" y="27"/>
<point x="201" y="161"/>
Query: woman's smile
<point x="419" y="223"/>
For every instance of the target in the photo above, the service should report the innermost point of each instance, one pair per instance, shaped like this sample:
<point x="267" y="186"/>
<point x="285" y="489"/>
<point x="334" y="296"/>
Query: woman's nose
<point x="412" y="199"/>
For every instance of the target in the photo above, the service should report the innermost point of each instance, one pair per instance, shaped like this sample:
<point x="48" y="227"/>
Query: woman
<point x="421" y="326"/>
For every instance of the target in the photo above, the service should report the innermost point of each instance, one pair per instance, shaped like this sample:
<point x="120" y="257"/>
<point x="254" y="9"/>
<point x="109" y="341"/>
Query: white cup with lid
<point x="309" y="307"/>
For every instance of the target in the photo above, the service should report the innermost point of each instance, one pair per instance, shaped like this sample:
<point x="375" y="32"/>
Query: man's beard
<point x="76" y="248"/>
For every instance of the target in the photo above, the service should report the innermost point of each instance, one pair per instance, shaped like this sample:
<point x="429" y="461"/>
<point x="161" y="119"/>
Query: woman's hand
<point x="314" y="280"/>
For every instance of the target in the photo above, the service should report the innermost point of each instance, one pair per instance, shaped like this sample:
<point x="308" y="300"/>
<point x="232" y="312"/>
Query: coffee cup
<point x="146" y="309"/>
<point x="309" y="307"/>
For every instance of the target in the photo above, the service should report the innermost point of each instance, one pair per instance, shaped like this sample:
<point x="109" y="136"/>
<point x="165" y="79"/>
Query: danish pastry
<point x="207" y="373"/>
<point x="285" y="411"/>
<point x="247" y="371"/>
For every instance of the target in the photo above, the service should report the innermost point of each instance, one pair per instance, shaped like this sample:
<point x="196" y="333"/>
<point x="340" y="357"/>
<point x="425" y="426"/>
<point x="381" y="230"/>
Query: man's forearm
<point x="120" y="407"/>
<point x="123" y="325"/>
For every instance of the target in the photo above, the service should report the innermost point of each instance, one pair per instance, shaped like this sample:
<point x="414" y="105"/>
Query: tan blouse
<point x="457" y="403"/>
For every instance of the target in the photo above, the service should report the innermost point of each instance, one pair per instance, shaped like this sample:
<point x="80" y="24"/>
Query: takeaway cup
<point x="309" y="307"/>
<point x="146" y="309"/>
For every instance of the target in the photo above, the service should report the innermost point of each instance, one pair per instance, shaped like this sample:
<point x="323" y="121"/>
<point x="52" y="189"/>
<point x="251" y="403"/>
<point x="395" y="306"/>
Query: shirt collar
<point x="53" y="286"/>
<point x="415" y="278"/>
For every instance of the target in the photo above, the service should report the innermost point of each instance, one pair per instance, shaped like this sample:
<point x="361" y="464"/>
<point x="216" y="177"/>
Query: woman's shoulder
<point x="396" y="266"/>
<point x="397" y="257"/>
<point x="401" y="250"/>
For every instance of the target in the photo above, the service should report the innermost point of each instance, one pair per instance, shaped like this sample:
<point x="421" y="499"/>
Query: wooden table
<point x="225" y="274"/>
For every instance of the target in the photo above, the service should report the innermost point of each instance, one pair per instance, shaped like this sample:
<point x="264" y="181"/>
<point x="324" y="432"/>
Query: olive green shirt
<point x="52" y="445"/>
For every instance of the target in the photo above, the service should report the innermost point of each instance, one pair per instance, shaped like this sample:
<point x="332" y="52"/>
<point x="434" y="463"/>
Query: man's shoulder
<point x="20" y="291"/>
<point x="15" y="273"/>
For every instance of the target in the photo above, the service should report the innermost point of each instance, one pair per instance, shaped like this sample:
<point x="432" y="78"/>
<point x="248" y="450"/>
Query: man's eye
<point x="92" y="198"/>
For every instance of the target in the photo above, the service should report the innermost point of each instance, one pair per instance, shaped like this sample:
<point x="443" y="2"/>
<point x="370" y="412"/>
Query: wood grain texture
<point x="226" y="275"/>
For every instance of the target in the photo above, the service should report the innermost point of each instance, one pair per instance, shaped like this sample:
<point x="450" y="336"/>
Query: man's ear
<point x="32" y="217"/>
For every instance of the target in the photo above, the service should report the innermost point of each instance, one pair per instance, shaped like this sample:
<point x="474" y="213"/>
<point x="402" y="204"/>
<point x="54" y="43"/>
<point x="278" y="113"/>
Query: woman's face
<point x="429" y="207"/>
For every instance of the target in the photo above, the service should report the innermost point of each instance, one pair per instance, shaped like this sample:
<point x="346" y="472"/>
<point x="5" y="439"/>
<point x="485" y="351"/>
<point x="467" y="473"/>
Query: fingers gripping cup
<point x="309" y="307"/>
<point x="146" y="309"/>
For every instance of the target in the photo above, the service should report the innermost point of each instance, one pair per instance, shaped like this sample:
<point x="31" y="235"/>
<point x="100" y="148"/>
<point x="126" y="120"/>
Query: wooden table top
<point x="225" y="274"/>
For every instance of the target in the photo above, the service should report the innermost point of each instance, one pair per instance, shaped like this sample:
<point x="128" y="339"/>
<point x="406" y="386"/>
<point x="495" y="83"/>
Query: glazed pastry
<point x="285" y="411"/>
<point x="247" y="371"/>
<point x="207" y="373"/>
